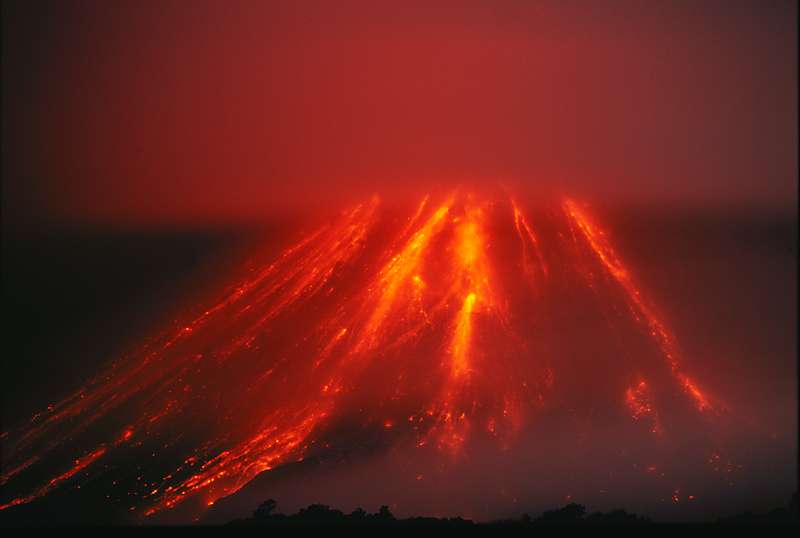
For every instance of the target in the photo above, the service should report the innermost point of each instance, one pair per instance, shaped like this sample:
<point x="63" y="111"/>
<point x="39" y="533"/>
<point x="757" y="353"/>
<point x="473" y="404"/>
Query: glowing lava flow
<point x="524" y="230"/>
<point x="299" y="274"/>
<point x="398" y="273"/>
<point x="227" y="472"/>
<point x="260" y="378"/>
<point x="471" y="283"/>
<point x="275" y="443"/>
<point x="461" y="337"/>
<point x="79" y="465"/>
<point x="605" y="253"/>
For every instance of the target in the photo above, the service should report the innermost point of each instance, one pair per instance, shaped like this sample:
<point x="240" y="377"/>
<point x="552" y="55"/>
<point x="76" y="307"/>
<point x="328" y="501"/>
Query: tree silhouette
<point x="385" y="514"/>
<point x="572" y="513"/>
<point x="265" y="509"/>
<point x="615" y="517"/>
<point x="359" y="514"/>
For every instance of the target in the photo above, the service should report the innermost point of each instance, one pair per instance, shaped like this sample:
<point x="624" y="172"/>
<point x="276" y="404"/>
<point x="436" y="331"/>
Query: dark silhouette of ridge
<point x="785" y="515"/>
<point x="320" y="515"/>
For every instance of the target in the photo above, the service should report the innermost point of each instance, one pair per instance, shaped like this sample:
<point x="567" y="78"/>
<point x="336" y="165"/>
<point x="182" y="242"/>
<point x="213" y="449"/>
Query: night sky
<point x="157" y="156"/>
<point x="126" y="113"/>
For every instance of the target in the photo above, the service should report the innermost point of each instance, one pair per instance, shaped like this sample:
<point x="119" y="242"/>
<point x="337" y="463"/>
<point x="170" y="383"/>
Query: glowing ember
<point x="639" y="402"/>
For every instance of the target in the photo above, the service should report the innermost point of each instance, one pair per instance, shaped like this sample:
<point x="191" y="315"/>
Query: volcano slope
<point x="406" y="345"/>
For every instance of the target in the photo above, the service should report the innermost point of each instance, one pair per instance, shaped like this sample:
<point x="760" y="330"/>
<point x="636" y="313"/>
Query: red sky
<point x="155" y="113"/>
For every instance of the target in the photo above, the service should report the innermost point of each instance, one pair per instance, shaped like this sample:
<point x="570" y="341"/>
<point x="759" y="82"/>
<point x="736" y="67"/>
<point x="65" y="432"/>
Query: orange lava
<point x="400" y="272"/>
<point x="461" y="337"/>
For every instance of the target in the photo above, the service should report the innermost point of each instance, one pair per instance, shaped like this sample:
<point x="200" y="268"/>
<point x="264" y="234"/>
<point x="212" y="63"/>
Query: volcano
<point x="464" y="323"/>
